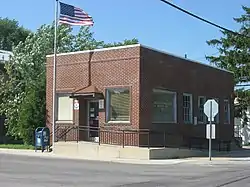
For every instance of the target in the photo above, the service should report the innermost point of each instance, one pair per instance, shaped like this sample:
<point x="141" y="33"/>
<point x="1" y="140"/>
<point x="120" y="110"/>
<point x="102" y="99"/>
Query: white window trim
<point x="71" y="121"/>
<point x="175" y="104"/>
<point x="228" y="108"/>
<point x="107" y="106"/>
<point x="64" y="121"/>
<point x="191" y="106"/>
<point x="205" y="117"/>
<point x="118" y="122"/>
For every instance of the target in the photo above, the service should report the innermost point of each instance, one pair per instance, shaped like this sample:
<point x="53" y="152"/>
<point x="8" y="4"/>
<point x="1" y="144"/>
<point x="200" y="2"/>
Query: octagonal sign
<point x="211" y="107"/>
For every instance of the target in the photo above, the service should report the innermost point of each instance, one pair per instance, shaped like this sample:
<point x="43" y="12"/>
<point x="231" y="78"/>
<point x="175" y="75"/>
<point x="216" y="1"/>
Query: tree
<point x="234" y="55"/>
<point x="32" y="111"/>
<point x="85" y="40"/>
<point x="24" y="93"/>
<point x="11" y="34"/>
<point x="125" y="42"/>
<point x="2" y="70"/>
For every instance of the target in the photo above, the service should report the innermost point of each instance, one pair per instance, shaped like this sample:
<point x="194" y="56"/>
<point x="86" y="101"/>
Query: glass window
<point x="202" y="118"/>
<point x="226" y="112"/>
<point x="118" y="104"/>
<point x="164" y="106"/>
<point x="217" y="117"/>
<point x="187" y="108"/>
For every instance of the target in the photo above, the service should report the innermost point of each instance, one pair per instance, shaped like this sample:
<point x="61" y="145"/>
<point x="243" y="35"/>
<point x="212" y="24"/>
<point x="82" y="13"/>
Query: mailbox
<point x="42" y="138"/>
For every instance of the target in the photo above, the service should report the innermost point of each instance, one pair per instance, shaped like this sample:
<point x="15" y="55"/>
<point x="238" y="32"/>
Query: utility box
<point x="42" y="138"/>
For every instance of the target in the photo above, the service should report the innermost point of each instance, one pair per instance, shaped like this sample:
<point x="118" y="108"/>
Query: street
<point x="25" y="171"/>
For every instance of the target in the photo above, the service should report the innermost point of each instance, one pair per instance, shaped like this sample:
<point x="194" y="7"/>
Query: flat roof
<point x="138" y="45"/>
<point x="96" y="50"/>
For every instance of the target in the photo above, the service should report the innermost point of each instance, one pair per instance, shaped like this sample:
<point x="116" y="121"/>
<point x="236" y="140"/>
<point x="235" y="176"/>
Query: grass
<point x="16" y="146"/>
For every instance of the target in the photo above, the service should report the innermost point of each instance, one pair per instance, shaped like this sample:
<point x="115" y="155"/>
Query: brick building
<point x="154" y="97"/>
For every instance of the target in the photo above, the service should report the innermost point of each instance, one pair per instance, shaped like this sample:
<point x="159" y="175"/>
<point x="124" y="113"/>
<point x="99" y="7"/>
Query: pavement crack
<point x="233" y="181"/>
<point x="143" y="184"/>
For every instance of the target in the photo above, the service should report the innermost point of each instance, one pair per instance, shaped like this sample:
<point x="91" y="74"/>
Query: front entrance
<point x="93" y="120"/>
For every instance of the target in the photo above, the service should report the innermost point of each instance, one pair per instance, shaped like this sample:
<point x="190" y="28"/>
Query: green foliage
<point x="235" y="55"/>
<point x="2" y="70"/>
<point x="85" y="40"/>
<point x="32" y="111"/>
<point x="23" y="94"/>
<point x="243" y="97"/>
<point x="235" y="50"/>
<point x="16" y="146"/>
<point x="125" y="42"/>
<point x="11" y="34"/>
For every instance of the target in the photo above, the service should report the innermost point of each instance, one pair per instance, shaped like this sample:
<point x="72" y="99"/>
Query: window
<point x="64" y="108"/>
<point x="118" y="104"/>
<point x="226" y="111"/>
<point x="202" y="118"/>
<point x="187" y="108"/>
<point x="164" y="106"/>
<point x="217" y="118"/>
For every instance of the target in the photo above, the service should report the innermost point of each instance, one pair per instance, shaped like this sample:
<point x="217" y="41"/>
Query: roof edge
<point x="139" y="45"/>
<point x="177" y="56"/>
<point x="96" y="50"/>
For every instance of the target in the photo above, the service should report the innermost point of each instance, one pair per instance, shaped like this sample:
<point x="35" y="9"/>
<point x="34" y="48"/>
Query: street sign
<point x="211" y="109"/>
<point x="76" y="105"/>
<point x="208" y="131"/>
<point x="101" y="104"/>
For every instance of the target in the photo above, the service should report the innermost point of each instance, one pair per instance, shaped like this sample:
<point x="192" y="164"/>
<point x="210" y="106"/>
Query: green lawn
<point x="16" y="146"/>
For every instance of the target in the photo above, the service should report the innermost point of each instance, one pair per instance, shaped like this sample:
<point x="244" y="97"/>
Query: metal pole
<point x="148" y="139"/>
<point x="164" y="138"/>
<point x="123" y="138"/>
<point x="210" y="135"/>
<point x="54" y="75"/>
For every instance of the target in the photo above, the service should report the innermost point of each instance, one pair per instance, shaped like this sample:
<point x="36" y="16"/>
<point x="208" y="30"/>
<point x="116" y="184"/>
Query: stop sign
<point x="211" y="108"/>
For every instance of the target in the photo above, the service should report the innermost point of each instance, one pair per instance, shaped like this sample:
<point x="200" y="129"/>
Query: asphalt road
<point x="24" y="171"/>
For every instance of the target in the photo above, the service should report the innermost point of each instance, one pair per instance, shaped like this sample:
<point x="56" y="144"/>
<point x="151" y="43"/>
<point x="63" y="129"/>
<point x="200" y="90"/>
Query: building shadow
<point x="240" y="153"/>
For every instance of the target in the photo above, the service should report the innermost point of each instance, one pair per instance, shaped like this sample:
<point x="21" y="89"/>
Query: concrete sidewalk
<point x="45" y="154"/>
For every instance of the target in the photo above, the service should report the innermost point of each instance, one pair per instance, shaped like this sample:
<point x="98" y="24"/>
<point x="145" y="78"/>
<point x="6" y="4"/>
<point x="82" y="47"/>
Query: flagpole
<point x="54" y="75"/>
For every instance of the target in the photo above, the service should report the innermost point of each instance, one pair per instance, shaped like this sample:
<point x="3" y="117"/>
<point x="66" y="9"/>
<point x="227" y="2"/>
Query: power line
<point x="202" y="19"/>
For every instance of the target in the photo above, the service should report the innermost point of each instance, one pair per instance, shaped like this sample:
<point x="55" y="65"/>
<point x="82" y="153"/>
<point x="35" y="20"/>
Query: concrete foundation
<point x="94" y="151"/>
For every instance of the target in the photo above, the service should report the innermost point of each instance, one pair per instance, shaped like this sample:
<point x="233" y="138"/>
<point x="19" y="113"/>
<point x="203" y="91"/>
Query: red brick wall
<point x="142" y="70"/>
<point x="182" y="76"/>
<point x="109" y="68"/>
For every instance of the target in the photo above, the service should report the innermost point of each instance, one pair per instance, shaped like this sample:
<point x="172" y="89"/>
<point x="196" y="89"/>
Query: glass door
<point x="93" y="120"/>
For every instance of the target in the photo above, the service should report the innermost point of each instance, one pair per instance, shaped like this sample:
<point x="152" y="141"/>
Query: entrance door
<point x="93" y="120"/>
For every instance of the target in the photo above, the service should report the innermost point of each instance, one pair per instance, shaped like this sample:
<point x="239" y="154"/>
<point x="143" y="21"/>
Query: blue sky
<point x="154" y="23"/>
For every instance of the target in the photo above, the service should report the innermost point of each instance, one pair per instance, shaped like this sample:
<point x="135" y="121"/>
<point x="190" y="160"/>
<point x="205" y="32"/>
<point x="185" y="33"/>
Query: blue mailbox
<point x="42" y="138"/>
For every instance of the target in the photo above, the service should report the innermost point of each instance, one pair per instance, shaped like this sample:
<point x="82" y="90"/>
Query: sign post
<point x="211" y="110"/>
<point x="210" y="130"/>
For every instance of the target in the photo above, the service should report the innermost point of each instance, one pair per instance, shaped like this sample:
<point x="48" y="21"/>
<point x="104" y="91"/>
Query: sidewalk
<point x="51" y="155"/>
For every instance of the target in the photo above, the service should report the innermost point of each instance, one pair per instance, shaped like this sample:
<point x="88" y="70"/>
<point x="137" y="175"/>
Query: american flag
<point x="74" y="16"/>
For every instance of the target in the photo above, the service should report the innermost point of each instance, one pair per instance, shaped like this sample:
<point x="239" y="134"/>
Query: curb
<point x="51" y="155"/>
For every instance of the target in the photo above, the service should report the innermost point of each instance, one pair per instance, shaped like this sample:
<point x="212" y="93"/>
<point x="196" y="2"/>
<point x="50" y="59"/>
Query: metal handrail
<point x="51" y="133"/>
<point x="67" y="129"/>
<point x="111" y="134"/>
